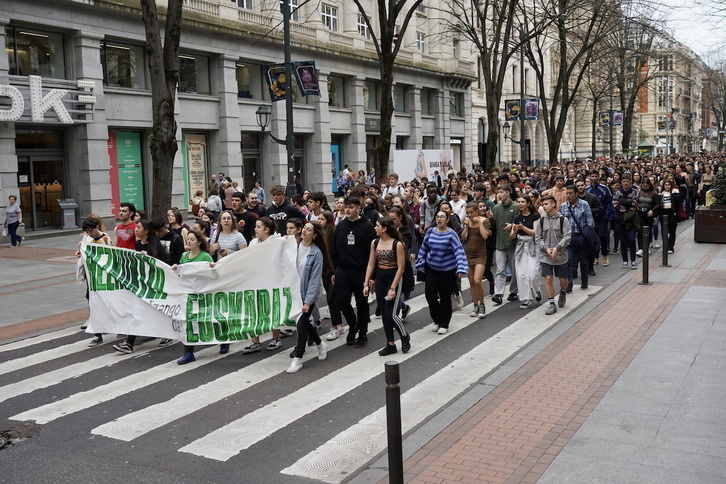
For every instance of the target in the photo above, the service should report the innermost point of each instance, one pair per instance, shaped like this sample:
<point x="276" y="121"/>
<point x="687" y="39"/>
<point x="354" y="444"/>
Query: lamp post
<point x="506" y="127"/>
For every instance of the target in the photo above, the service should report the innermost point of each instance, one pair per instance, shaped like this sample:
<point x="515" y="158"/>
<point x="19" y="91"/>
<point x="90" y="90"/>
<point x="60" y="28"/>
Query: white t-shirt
<point x="302" y="257"/>
<point x="232" y="241"/>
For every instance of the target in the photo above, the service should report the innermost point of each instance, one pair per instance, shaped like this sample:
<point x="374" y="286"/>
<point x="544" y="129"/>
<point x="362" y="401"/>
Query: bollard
<point x="664" y="231"/>
<point x="646" y="255"/>
<point x="393" y="421"/>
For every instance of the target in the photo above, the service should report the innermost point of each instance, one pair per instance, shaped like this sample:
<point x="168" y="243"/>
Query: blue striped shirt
<point x="442" y="251"/>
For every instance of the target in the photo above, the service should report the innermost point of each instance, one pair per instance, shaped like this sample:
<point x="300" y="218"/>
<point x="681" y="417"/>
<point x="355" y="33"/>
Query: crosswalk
<point x="42" y="393"/>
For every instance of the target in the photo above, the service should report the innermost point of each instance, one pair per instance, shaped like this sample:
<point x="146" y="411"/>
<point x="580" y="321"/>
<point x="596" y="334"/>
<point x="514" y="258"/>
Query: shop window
<point x="194" y="74"/>
<point x="336" y="92"/>
<point x="34" y="52"/>
<point x="123" y="65"/>
<point x="428" y="143"/>
<point x="428" y="102"/>
<point x="249" y="81"/>
<point x="371" y="96"/>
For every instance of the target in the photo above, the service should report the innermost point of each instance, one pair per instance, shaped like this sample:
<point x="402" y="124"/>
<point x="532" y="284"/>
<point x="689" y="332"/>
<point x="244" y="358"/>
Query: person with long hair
<point x="670" y="199"/>
<point x="474" y="234"/>
<point x="525" y="254"/>
<point x="648" y="209"/>
<point x="92" y="234"/>
<point x="228" y="239"/>
<point x="176" y="222"/>
<point x="312" y="262"/>
<point x="388" y="259"/>
<point x="442" y="258"/>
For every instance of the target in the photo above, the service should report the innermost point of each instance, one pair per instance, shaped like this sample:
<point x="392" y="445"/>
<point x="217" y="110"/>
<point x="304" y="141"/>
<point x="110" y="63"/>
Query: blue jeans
<point x="577" y="254"/>
<point x="13" y="232"/>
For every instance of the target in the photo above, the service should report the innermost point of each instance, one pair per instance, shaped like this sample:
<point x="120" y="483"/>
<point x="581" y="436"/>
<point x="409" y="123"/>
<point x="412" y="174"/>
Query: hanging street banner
<point x="531" y="109"/>
<point x="276" y="82"/>
<point x="617" y="118"/>
<point x="306" y="77"/>
<point x="244" y="295"/>
<point x="603" y="119"/>
<point x="511" y="110"/>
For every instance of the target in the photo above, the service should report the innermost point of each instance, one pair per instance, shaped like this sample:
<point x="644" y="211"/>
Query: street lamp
<point x="506" y="128"/>
<point x="264" y="114"/>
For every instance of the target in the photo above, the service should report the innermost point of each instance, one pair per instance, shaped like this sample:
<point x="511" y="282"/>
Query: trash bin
<point x="68" y="208"/>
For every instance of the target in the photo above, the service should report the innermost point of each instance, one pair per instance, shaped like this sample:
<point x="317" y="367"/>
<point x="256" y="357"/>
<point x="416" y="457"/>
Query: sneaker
<point x="273" y="345"/>
<point x="252" y="348"/>
<point x="371" y="297"/>
<point x="443" y="330"/>
<point x="361" y="341"/>
<point x="670" y="251"/>
<point x="551" y="310"/>
<point x="583" y="285"/>
<point x="595" y="262"/>
<point x="459" y="301"/>
<point x="639" y="253"/>
<point x="474" y="312"/>
<point x="404" y="312"/>
<point x="187" y="358"/>
<point x="526" y="304"/>
<point x="333" y="335"/>
<point x="512" y="297"/>
<point x="656" y="245"/>
<point x="435" y="327"/>
<point x="605" y="262"/>
<point x="350" y="339"/>
<point x="322" y="351"/>
<point x="96" y="341"/>
<point x="20" y="240"/>
<point x="376" y="315"/>
<point x="624" y="265"/>
<point x="634" y="266"/>
<point x="83" y="328"/>
<point x="326" y="313"/>
<point x="569" y="288"/>
<point x="224" y="349"/>
<point x="482" y="311"/>
<point x="295" y="365"/>
<point x="591" y="273"/>
<point x="285" y="332"/>
<point x="615" y="250"/>
<point x="164" y="342"/>
<point x="405" y="343"/>
<point x="124" y="347"/>
<point x="388" y="350"/>
<point x="538" y="297"/>
<point x="562" y="299"/>
<point x="497" y="299"/>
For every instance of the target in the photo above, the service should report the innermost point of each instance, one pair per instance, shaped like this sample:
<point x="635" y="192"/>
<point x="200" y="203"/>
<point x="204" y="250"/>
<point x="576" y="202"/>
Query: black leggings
<point x="305" y="330"/>
<point x="384" y="281"/>
<point x="439" y="287"/>
<point x="336" y="318"/>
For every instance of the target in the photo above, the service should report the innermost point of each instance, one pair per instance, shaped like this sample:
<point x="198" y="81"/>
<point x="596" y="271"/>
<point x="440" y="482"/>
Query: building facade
<point x="89" y="58"/>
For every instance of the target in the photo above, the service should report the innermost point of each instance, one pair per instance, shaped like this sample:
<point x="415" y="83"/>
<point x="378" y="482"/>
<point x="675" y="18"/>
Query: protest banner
<point x="244" y="295"/>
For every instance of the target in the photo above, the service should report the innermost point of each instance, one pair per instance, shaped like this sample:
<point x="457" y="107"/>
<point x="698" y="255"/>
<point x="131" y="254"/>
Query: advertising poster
<point x="603" y="119"/>
<point x="307" y="78"/>
<point x="276" y="82"/>
<point x="511" y="110"/>
<point x="531" y="109"/>
<point x="195" y="163"/>
<point x="617" y="118"/>
<point x="410" y="164"/>
<point x="130" y="178"/>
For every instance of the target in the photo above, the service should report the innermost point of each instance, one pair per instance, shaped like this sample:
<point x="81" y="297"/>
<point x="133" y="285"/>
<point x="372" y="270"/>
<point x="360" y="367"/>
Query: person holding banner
<point x="312" y="262"/>
<point x="93" y="234"/>
<point x="228" y="238"/>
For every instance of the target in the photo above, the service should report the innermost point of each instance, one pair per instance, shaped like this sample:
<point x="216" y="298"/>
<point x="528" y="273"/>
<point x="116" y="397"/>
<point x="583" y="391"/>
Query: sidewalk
<point x="629" y="388"/>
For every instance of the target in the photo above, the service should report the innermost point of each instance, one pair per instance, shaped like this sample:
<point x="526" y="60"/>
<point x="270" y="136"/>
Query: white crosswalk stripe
<point x="61" y="333"/>
<point x="43" y="357"/>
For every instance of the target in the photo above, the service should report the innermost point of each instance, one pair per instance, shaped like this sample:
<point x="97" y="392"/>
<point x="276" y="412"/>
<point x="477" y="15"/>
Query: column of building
<point x="8" y="157"/>
<point x="225" y="150"/>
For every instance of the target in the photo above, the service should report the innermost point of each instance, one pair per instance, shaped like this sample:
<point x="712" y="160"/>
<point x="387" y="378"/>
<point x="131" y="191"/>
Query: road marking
<point x="44" y="356"/>
<point x="360" y="444"/>
<point x="62" y="333"/>
<point x="231" y="439"/>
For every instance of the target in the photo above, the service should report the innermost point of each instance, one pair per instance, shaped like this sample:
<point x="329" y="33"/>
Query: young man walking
<point x="126" y="230"/>
<point x="504" y="213"/>
<point x="552" y="237"/>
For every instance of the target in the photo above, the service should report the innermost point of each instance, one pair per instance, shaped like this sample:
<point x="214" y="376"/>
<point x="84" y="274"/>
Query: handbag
<point x="592" y="240"/>
<point x="5" y="231"/>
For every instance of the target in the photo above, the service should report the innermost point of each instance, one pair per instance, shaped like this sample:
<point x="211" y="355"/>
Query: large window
<point x="421" y="42"/>
<point x="248" y="4"/>
<point x="400" y="98"/>
<point x="249" y="81"/>
<point x="363" y="27"/>
<point x="427" y="142"/>
<point x="371" y="96"/>
<point x="456" y="100"/>
<point x="123" y="65"/>
<point x="336" y="92"/>
<point x="428" y="102"/>
<point x="329" y="15"/>
<point x="34" y="52"/>
<point x="194" y="74"/>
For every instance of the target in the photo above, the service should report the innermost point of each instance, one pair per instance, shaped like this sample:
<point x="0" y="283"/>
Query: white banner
<point x="244" y="295"/>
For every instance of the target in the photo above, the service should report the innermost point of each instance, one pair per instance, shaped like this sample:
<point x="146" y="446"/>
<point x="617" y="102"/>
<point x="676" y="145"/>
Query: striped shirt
<point x="442" y="251"/>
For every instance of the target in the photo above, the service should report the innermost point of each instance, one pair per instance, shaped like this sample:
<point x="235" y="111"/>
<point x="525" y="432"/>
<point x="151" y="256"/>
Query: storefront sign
<point x="127" y="180"/>
<point x="69" y="106"/>
<point x="195" y="160"/>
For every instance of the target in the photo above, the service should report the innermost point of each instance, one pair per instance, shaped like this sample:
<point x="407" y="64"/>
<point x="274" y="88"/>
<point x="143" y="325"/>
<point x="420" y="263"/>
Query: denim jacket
<point x="311" y="278"/>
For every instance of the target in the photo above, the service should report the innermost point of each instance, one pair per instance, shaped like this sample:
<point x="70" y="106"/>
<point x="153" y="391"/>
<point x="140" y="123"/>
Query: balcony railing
<point x="202" y="6"/>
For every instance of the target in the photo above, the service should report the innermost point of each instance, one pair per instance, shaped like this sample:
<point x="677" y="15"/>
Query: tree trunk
<point x="382" y="150"/>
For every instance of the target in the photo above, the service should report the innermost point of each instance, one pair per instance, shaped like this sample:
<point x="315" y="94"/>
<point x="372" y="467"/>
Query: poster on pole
<point x="603" y="119"/>
<point x="418" y="164"/>
<point x="512" y="109"/>
<point x="244" y="295"/>
<point x="617" y="118"/>
<point x="531" y="109"/>
<point x="276" y="81"/>
<point x="306" y="77"/>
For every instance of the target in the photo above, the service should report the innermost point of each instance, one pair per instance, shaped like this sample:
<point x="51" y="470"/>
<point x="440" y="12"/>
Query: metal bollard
<point x="393" y="421"/>
<point x="646" y="255"/>
<point x="666" y="242"/>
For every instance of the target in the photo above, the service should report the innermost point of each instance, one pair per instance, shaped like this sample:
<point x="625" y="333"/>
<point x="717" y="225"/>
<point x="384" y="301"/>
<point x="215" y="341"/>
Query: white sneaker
<point x="656" y="245"/>
<point x="459" y="301"/>
<point x="333" y="335"/>
<point x="326" y="314"/>
<point x="341" y="330"/>
<point x="474" y="312"/>
<point x="295" y="365"/>
<point x="322" y="351"/>
<point x="442" y="330"/>
<point x="639" y="253"/>
<point x="434" y="327"/>
<point x="371" y="298"/>
<point x="274" y="345"/>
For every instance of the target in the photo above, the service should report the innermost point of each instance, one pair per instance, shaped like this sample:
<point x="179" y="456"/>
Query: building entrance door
<point x="40" y="182"/>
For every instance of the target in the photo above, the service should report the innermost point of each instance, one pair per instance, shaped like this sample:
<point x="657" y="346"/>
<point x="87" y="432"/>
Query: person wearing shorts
<point x="552" y="236"/>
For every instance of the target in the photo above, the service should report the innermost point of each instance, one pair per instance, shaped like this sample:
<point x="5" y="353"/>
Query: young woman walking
<point x="525" y="254"/>
<point x="475" y="233"/>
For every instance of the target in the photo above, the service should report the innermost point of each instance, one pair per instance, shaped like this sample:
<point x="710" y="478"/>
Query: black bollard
<point x="664" y="231"/>
<point x="393" y="420"/>
<point x="646" y="255"/>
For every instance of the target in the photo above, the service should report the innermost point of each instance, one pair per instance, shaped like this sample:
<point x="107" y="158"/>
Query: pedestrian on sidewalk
<point x="504" y="213"/>
<point x="627" y="222"/>
<point x="579" y="215"/>
<point x="552" y="236"/>
<point x="92" y="235"/>
<point x="442" y="258"/>
<point x="475" y="233"/>
<point x="13" y="219"/>
<point x="671" y="199"/>
<point x="525" y="254"/>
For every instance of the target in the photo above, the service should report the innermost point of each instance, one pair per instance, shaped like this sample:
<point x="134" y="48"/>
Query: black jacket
<point x="352" y="243"/>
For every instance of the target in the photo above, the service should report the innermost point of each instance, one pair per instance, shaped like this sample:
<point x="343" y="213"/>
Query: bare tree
<point x="387" y="38"/>
<point x="164" y="69"/>
<point x="715" y="99"/>
<point x="596" y="84"/>
<point x="561" y="58"/>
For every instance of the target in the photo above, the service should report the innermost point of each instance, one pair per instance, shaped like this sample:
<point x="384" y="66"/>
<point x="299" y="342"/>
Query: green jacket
<point x="503" y="215"/>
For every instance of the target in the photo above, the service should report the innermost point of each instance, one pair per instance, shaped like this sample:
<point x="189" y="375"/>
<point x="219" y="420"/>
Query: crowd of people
<point x="512" y="228"/>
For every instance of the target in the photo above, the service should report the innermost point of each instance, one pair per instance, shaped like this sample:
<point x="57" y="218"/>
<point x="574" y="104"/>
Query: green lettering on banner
<point x="124" y="270"/>
<point x="190" y="317"/>
<point x="288" y="305"/>
<point x="234" y="317"/>
<point x="220" y="314"/>
<point x="206" y="334"/>
<point x="263" y="310"/>
<point x="192" y="337"/>
<point x="250" y="313"/>
<point x="276" y="307"/>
